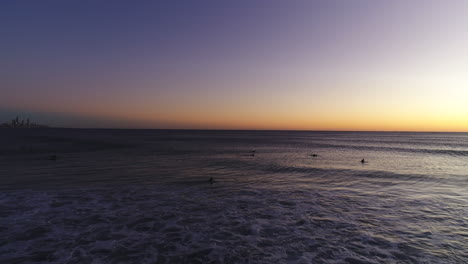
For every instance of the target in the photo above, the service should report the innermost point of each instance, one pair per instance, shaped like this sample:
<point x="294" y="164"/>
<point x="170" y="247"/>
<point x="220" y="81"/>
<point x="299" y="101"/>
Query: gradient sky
<point x="245" y="64"/>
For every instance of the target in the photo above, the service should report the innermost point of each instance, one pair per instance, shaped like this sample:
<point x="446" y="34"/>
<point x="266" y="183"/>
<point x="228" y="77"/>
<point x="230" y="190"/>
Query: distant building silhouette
<point x="16" y="123"/>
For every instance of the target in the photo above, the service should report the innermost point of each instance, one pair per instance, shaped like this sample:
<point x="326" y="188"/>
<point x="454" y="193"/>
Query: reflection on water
<point x="144" y="196"/>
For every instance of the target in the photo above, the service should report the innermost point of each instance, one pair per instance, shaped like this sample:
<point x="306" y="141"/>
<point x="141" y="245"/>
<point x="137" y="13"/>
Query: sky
<point x="372" y="65"/>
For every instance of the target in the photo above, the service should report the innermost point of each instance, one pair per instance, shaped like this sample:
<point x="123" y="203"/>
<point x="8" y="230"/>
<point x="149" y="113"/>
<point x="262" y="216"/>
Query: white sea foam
<point x="216" y="223"/>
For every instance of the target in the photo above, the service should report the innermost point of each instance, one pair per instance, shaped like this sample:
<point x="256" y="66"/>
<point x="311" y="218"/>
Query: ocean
<point x="144" y="196"/>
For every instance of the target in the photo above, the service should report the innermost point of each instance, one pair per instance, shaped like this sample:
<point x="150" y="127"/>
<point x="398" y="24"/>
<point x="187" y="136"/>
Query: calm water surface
<point x="143" y="196"/>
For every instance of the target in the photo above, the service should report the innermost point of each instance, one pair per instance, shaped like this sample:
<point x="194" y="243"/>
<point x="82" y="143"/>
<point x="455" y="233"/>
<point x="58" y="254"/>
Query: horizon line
<point x="266" y="130"/>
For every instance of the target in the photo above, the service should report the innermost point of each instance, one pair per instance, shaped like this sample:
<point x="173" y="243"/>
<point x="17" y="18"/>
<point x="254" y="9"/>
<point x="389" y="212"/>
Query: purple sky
<point x="352" y="65"/>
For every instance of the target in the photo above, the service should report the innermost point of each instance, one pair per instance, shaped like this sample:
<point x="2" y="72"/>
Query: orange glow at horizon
<point x="416" y="104"/>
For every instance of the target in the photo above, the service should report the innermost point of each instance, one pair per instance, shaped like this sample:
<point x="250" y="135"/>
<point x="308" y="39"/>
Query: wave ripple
<point x="222" y="223"/>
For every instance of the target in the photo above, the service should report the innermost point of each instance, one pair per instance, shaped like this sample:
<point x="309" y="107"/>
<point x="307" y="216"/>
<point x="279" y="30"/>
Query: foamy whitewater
<point x="143" y="196"/>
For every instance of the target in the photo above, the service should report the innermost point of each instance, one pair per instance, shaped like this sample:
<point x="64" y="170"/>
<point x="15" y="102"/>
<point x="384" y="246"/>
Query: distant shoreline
<point x="231" y="130"/>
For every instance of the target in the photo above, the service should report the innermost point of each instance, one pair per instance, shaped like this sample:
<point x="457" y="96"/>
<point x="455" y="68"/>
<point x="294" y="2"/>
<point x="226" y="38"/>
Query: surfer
<point x="363" y="161"/>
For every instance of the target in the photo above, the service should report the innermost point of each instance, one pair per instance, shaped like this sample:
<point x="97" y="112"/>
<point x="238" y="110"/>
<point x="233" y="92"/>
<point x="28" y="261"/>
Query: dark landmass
<point x="17" y="123"/>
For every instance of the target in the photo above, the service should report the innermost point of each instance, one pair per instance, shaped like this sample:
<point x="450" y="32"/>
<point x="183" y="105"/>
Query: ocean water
<point x="143" y="196"/>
